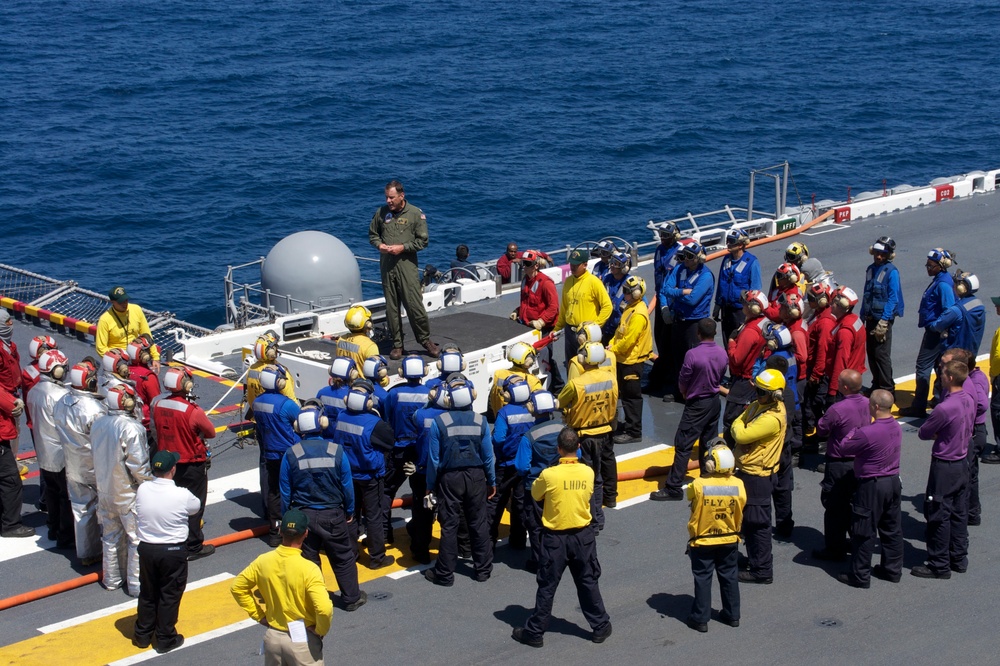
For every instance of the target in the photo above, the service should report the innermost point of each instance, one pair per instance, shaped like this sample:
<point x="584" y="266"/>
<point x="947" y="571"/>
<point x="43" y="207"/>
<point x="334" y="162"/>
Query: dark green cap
<point x="577" y="257"/>
<point x="164" y="461"/>
<point x="294" y="522"/>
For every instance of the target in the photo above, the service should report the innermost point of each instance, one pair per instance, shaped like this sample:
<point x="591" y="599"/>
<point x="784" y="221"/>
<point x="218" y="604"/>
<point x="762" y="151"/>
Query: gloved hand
<point x="409" y="468"/>
<point x="513" y="315"/>
<point x="881" y="330"/>
<point x="538" y="324"/>
<point x="666" y="315"/>
<point x="555" y="335"/>
<point x="18" y="408"/>
<point x="430" y="501"/>
<point x="717" y="313"/>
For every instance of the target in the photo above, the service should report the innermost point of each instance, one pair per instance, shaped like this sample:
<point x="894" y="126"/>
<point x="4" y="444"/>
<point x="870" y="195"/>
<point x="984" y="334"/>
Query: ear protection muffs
<point x="756" y="302"/>
<point x="178" y="380"/>
<point x="361" y="397"/>
<point x="778" y="337"/>
<point x="793" y="303"/>
<point x="122" y="397"/>
<point x="461" y="393"/>
<point x="41" y="343"/>
<point x="266" y="349"/>
<point x="819" y="294"/>
<point x="451" y="360"/>
<point x="636" y="286"/>
<point x="592" y="353"/>
<point x="521" y="354"/>
<point x="376" y="368"/>
<point x="542" y="402"/>
<point x="966" y="283"/>
<point x="138" y="351"/>
<point x="344" y="369"/>
<point x="588" y="331"/>
<point x="83" y="376"/>
<point x="515" y="390"/>
<point x="115" y="362"/>
<point x="438" y="396"/>
<point x="311" y="419"/>
<point x="273" y="378"/>
<point x="720" y="458"/>
<point x="942" y="257"/>
<point x="845" y="298"/>
<point x="413" y="367"/>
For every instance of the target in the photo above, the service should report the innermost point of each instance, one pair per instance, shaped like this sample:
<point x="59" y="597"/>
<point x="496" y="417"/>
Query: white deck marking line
<point x="638" y="499"/>
<point x="417" y="568"/>
<point x="642" y="452"/>
<point x="189" y="641"/>
<point x="827" y="228"/>
<point x="128" y="605"/>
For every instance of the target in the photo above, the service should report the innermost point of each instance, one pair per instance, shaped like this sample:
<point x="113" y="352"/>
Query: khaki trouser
<point x="401" y="286"/>
<point x="279" y="650"/>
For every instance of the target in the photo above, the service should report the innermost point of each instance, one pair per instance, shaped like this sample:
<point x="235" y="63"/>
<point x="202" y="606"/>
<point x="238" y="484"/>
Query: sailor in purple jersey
<point x="839" y="481"/>
<point x="946" y="500"/>
<point x="876" y="450"/>
<point x="978" y="386"/>
<point x="701" y="373"/>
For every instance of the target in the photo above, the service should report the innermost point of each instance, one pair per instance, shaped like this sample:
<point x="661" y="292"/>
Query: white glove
<point x="555" y="335"/>
<point x="881" y="330"/>
<point x="537" y="324"/>
<point x="430" y="501"/>
<point x="409" y="468"/>
<point x="513" y="315"/>
<point x="18" y="408"/>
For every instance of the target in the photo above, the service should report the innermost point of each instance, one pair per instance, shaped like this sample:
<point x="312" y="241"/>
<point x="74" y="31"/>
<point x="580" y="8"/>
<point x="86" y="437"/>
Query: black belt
<point x="572" y="530"/>
<point x="876" y="478"/>
<point x="840" y="460"/>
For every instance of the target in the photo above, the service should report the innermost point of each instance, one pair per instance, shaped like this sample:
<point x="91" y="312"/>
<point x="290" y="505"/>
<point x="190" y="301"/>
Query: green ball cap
<point x="577" y="257"/>
<point x="118" y="295"/>
<point x="294" y="522"/>
<point x="996" y="300"/>
<point x="164" y="461"/>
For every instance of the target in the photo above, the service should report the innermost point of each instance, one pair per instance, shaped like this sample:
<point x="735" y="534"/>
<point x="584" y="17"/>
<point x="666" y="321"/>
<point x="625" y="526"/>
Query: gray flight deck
<point x="806" y="616"/>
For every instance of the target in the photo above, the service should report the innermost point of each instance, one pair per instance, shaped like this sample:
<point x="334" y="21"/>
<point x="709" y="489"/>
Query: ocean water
<point x="153" y="143"/>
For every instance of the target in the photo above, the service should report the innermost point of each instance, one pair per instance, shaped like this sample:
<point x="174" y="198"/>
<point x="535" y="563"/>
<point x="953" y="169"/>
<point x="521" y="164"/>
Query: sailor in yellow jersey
<point x="358" y="345"/>
<point x="522" y="357"/>
<point x="717" y="500"/>
<point x="296" y="603"/>
<point x="632" y="345"/>
<point x="584" y="298"/>
<point x="265" y="350"/>
<point x="993" y="458"/>
<point x="759" y="434"/>
<point x="590" y="332"/>
<point x="590" y="404"/>
<point x="568" y="539"/>
<point x="122" y="323"/>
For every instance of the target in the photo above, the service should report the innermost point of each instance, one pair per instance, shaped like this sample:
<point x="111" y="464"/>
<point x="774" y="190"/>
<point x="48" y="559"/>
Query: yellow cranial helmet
<point x="358" y="319"/>
<point x="522" y="354"/>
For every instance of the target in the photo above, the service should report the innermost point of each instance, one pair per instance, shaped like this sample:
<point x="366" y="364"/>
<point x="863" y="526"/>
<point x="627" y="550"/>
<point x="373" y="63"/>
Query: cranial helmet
<point x="755" y="301"/>
<point x="737" y="238"/>
<point x="273" y="378"/>
<point x="720" y="458"/>
<point x="358" y="319"/>
<point x="53" y="363"/>
<point x="636" y="287"/>
<point x="41" y="343"/>
<point x="542" y="402"/>
<point x="588" y="331"/>
<point x="521" y="354"/>
<point x="115" y="362"/>
<point x="789" y="271"/>
<point x="344" y="369"/>
<point x="592" y="353"/>
<point x="178" y="380"/>
<point x="796" y="253"/>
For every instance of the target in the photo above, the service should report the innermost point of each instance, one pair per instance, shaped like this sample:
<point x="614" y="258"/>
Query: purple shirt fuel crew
<point x="876" y="450"/>
<point x="946" y="500"/>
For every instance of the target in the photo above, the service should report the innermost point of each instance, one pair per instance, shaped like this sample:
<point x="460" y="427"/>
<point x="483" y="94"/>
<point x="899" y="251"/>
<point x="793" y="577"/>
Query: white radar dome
<point x="310" y="267"/>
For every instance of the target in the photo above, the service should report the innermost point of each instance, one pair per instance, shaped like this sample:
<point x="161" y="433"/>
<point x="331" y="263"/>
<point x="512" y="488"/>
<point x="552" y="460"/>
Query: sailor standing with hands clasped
<point x="162" y="510"/>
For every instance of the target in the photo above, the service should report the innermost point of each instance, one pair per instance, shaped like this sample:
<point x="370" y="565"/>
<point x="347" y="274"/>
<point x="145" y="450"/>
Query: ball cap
<point x="118" y="294"/>
<point x="577" y="257"/>
<point x="164" y="461"/>
<point x="294" y="522"/>
<point x="996" y="300"/>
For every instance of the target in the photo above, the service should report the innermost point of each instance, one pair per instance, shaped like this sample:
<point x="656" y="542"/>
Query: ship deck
<point x="806" y="616"/>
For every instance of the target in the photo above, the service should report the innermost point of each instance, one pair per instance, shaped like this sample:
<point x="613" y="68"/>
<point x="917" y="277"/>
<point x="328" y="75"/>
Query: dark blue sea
<point x="153" y="143"/>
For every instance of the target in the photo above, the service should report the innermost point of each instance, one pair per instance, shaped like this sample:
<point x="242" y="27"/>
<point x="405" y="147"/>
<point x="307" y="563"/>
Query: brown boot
<point x="432" y="349"/>
<point x="396" y="353"/>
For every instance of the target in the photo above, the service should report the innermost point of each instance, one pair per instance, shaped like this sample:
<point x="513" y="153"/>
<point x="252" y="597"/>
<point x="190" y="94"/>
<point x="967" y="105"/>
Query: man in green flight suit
<point x="398" y="231"/>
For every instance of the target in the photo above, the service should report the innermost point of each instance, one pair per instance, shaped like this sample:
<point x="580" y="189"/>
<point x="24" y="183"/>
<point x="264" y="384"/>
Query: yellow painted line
<point x="210" y="608"/>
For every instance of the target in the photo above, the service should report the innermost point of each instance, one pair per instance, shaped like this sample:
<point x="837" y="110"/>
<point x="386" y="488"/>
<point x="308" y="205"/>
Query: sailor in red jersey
<point x="539" y="309"/>
<point x="140" y="362"/>
<point x="10" y="360"/>
<point x="30" y="375"/>
<point x="790" y="314"/>
<point x="10" y="478"/>
<point x="743" y="350"/>
<point x="785" y="281"/>
<point x="182" y="427"/>
<point x="847" y="350"/>
<point x="819" y="326"/>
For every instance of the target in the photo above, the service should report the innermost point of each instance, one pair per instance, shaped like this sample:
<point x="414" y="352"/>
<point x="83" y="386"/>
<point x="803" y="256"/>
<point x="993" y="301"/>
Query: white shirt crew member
<point x="162" y="510"/>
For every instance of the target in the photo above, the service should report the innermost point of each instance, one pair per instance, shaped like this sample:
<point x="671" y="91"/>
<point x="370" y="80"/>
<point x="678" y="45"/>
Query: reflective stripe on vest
<point x="411" y="398"/>
<point x="177" y="406"/>
<point x="974" y="303"/>
<point x="720" y="491"/>
<point x="521" y="418"/>
<point x="348" y="347"/>
<point x="598" y="386"/>
<point x="333" y="401"/>
<point x="263" y="407"/>
<point x="350" y="428"/>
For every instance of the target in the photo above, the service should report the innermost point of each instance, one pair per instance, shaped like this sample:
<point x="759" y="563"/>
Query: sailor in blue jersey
<point x="604" y="249"/>
<point x="274" y="419"/>
<point x="376" y="370"/>
<point x="460" y="476"/>
<point x="738" y="273"/>
<point x="400" y="404"/>
<point x="536" y="451"/>
<point x="343" y="371"/>
<point x="513" y="420"/>
<point x="782" y="359"/>
<point x="963" y="324"/>
<point x="664" y="262"/>
<point x="881" y="303"/>
<point x="316" y="479"/>
<point x="938" y="297"/>
<point x="614" y="282"/>
<point x="366" y="439"/>
<point x="689" y="292"/>
<point x="422" y="521"/>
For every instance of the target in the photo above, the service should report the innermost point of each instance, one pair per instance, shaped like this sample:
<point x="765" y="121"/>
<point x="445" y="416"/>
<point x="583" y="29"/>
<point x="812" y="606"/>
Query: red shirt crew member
<point x="847" y="351"/>
<point x="147" y="384"/>
<point x="181" y="427"/>
<point x="539" y="306"/>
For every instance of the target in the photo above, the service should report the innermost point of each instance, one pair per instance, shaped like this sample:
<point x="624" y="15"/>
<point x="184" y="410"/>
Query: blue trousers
<point x="876" y="513"/>
<point x="931" y="348"/>
<point x="947" y="512"/>
<point x="722" y="560"/>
